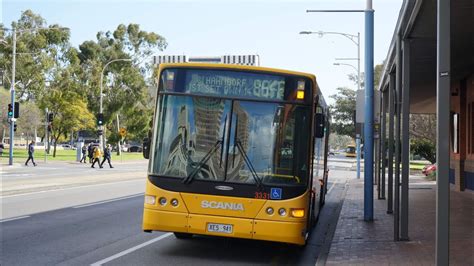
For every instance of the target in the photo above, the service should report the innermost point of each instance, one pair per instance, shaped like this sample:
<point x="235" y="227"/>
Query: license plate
<point x="220" y="228"/>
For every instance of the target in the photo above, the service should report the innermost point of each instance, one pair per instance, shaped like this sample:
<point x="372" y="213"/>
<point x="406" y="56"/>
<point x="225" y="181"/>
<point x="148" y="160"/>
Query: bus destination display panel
<point x="228" y="84"/>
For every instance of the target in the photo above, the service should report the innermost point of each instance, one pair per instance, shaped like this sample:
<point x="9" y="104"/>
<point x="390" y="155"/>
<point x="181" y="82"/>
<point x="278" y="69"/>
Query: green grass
<point x="417" y="166"/>
<point x="20" y="155"/>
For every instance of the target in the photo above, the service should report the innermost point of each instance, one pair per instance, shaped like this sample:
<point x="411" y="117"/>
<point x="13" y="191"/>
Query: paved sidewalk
<point x="360" y="243"/>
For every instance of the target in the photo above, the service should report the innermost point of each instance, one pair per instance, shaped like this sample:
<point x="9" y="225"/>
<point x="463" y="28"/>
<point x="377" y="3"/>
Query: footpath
<point x="357" y="242"/>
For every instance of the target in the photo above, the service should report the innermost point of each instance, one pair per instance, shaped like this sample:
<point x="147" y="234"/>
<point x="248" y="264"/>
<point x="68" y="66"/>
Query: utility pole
<point x="12" y="92"/>
<point x="369" y="114"/>
<point x="45" y="133"/>
<point x="369" y="107"/>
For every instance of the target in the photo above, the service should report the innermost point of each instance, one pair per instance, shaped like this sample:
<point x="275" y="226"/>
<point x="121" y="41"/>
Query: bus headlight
<point x="174" y="202"/>
<point x="150" y="200"/>
<point x="298" y="213"/>
<point x="282" y="211"/>
<point x="162" y="201"/>
<point x="269" y="210"/>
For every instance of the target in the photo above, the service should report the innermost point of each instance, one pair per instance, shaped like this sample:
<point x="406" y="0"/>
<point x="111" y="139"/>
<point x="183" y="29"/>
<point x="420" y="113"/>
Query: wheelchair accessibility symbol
<point x="275" y="193"/>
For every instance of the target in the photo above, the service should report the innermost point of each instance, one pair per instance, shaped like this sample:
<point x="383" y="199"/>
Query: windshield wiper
<point x="237" y="143"/>
<point x="208" y="155"/>
<point x="249" y="163"/>
<point x="202" y="162"/>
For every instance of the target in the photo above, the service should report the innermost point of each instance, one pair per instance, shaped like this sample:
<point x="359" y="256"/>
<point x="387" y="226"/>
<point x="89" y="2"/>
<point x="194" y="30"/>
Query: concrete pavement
<point x="371" y="243"/>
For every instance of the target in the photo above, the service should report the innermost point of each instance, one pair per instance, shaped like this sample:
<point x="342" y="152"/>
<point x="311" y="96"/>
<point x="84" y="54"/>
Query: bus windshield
<point x="231" y="140"/>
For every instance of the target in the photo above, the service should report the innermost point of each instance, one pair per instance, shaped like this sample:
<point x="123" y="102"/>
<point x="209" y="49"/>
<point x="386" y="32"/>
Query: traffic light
<point x="17" y="109"/>
<point x="50" y="117"/>
<point x="50" y="127"/>
<point x="100" y="119"/>
<point x="100" y="132"/>
<point x="10" y="110"/>
<point x="14" y="127"/>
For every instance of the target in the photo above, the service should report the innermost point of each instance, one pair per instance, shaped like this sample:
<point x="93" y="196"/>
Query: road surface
<point x="107" y="230"/>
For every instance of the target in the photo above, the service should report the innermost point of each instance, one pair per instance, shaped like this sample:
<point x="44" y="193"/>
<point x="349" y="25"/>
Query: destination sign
<point x="235" y="84"/>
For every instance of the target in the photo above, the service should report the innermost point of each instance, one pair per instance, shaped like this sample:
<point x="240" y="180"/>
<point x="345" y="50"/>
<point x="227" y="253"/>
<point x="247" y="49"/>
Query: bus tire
<point x="182" y="235"/>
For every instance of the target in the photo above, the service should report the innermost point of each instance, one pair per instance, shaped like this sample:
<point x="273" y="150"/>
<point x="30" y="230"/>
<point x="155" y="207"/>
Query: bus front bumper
<point x="278" y="231"/>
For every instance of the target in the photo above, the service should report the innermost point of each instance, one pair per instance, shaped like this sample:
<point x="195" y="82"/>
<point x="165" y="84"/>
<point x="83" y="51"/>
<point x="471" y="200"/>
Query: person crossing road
<point x="96" y="156"/>
<point x="107" y="156"/>
<point x="90" y="152"/>
<point x="84" y="154"/>
<point x="31" y="152"/>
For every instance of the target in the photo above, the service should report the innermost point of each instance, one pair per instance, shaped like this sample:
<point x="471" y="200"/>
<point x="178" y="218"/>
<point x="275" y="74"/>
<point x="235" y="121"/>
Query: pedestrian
<point x="90" y="152"/>
<point x="96" y="156"/>
<point x="107" y="156"/>
<point x="31" y="153"/>
<point x="84" y="153"/>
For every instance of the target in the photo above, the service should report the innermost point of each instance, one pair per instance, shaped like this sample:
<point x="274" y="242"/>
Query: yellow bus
<point x="236" y="151"/>
<point x="351" y="151"/>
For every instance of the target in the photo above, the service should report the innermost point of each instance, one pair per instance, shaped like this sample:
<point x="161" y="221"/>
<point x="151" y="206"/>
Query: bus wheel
<point x="182" y="235"/>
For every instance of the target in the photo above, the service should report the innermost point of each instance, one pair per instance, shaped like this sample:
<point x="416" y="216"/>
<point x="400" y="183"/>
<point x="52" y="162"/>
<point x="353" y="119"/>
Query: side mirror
<point x="319" y="123"/>
<point x="146" y="148"/>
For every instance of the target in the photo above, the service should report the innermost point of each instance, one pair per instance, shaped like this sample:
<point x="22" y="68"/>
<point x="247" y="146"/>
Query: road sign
<point x="122" y="132"/>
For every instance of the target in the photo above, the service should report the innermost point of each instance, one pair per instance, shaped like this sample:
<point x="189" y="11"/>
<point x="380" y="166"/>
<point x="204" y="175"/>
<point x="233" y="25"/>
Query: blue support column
<point x="358" y="155"/>
<point x="369" y="114"/>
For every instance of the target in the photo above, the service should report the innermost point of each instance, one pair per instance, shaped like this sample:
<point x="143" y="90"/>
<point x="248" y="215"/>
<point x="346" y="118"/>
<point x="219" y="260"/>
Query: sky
<point x="214" y="28"/>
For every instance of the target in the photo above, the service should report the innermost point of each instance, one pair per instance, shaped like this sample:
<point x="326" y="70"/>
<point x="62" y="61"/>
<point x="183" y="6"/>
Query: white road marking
<point x="13" y="219"/>
<point x="130" y="250"/>
<point x="76" y="187"/>
<point x="332" y="186"/>
<point x="106" y="201"/>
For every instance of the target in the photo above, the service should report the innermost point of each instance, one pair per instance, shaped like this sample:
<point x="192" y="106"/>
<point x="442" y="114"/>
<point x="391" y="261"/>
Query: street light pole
<point x="358" y="152"/>
<point x="101" y="127"/>
<point x="369" y="105"/>
<point x="356" y="40"/>
<point x="369" y="114"/>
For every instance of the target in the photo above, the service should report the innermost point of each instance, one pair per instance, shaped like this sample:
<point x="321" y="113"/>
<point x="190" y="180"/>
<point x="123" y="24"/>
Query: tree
<point x="33" y="58"/>
<point x="4" y="101"/>
<point x="343" y="109"/>
<point x="423" y="135"/>
<point x="423" y="126"/>
<point x="342" y="112"/>
<point x="70" y="113"/>
<point x="30" y="119"/>
<point x="125" y="84"/>
<point x="378" y="69"/>
<point x="424" y="148"/>
<point x="339" y="142"/>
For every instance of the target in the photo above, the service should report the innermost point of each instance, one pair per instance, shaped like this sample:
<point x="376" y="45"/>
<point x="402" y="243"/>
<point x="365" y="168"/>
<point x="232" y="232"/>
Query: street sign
<point x="122" y="132"/>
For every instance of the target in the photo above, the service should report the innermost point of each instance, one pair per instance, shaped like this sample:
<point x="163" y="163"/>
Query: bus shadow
<point x="202" y="249"/>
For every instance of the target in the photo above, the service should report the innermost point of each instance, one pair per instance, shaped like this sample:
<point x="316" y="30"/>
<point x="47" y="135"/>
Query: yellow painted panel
<point x="300" y="202"/>
<point x="169" y="195"/>
<point x="288" y="232"/>
<point x="222" y="205"/>
<point x="242" y="228"/>
<point x="164" y="221"/>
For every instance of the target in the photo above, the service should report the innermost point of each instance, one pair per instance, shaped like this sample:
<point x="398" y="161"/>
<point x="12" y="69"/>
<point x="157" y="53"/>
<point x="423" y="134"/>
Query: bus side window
<point x="319" y="125"/>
